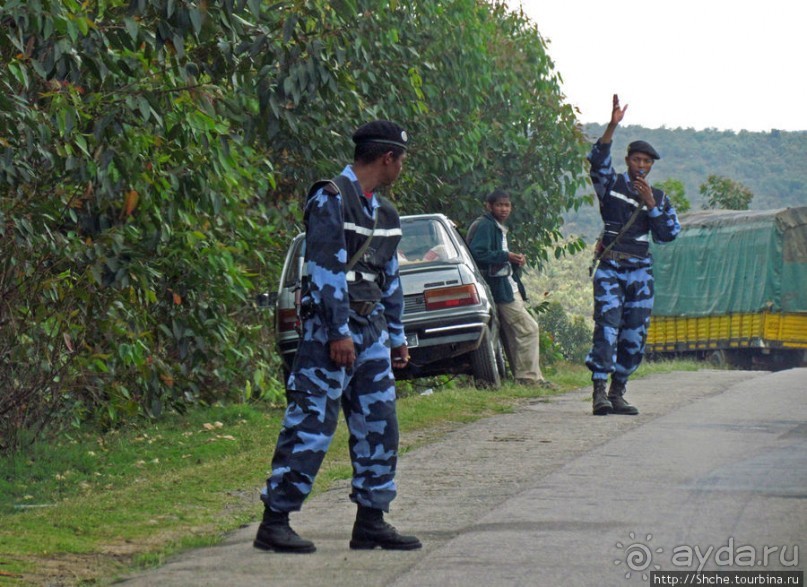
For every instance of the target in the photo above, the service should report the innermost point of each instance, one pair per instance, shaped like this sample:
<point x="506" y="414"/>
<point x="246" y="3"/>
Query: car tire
<point x="484" y="365"/>
<point x="501" y="360"/>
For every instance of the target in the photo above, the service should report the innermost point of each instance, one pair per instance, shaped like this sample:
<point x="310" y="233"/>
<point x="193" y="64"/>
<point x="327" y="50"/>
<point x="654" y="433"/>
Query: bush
<point x="152" y="155"/>
<point x="570" y="337"/>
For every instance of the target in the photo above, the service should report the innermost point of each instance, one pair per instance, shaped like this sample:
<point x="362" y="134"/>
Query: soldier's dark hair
<point x="369" y="152"/>
<point x="496" y="195"/>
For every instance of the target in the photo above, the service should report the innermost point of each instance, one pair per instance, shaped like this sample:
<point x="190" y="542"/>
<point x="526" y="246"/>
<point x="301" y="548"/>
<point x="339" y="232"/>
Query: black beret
<point x="643" y="147"/>
<point x="381" y="131"/>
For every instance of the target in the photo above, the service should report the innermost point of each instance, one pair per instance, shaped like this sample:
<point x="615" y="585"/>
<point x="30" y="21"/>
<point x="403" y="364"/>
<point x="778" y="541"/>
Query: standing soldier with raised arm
<point x="632" y="210"/>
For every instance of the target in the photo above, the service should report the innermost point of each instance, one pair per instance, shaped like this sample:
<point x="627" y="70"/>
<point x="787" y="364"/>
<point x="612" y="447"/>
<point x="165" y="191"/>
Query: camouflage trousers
<point x="316" y="389"/>
<point x="623" y="301"/>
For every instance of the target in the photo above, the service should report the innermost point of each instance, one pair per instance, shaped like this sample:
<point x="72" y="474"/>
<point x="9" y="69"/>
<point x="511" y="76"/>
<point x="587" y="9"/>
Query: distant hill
<point x="772" y="165"/>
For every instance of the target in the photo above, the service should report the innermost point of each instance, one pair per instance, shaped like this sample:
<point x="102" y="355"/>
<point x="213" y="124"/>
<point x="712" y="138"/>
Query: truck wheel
<point x="483" y="363"/>
<point x="718" y="358"/>
<point x="730" y="359"/>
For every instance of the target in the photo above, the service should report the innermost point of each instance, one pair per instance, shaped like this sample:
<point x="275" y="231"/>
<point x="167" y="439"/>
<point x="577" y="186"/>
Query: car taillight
<point x="451" y="297"/>
<point x="287" y="320"/>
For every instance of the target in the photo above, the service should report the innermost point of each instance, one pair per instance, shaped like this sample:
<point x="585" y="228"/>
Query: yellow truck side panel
<point x="759" y="330"/>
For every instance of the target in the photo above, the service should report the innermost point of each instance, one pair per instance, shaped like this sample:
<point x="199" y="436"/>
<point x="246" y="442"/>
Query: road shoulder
<point x="445" y="488"/>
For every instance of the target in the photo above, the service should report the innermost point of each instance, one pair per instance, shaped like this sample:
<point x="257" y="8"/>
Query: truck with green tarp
<point x="733" y="288"/>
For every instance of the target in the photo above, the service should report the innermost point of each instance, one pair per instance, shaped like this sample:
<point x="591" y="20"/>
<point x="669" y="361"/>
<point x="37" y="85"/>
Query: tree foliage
<point x="674" y="188"/>
<point x="152" y="154"/>
<point x="570" y="335"/>
<point x="771" y="164"/>
<point x="724" y="193"/>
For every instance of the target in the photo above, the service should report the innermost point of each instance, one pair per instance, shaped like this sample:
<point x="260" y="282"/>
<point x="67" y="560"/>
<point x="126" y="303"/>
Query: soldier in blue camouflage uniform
<point x="351" y="339"/>
<point x="623" y="281"/>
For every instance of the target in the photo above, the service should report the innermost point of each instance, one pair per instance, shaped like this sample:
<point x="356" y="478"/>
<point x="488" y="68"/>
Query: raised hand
<point x="617" y="113"/>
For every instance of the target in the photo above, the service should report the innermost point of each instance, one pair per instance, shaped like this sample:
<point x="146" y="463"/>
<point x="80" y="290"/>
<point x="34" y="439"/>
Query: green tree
<point x="153" y="153"/>
<point x="495" y="118"/>
<point x="674" y="188"/>
<point x="724" y="193"/>
<point x="131" y="235"/>
<point x="571" y="335"/>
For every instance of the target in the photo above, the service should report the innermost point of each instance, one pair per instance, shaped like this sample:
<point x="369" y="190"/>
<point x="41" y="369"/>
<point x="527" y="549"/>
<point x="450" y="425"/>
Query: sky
<point x="721" y="64"/>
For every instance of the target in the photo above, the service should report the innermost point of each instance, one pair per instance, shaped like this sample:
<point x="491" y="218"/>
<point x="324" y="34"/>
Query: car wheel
<point x="501" y="361"/>
<point x="484" y="364"/>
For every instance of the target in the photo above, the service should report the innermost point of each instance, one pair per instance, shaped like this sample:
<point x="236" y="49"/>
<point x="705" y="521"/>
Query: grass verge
<point x="96" y="506"/>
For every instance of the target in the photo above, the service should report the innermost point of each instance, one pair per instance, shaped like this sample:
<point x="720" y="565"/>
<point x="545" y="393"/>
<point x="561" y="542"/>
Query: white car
<point x="449" y="314"/>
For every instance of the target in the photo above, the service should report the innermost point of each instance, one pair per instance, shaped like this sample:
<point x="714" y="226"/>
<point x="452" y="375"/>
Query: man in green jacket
<point x="487" y="239"/>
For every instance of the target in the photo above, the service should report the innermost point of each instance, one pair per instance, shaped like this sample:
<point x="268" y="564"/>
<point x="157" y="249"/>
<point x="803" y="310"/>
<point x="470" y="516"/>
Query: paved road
<point x="550" y="495"/>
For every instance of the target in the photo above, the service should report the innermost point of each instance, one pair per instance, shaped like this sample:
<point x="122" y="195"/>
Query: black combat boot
<point x="370" y="530"/>
<point x="620" y="405"/>
<point x="599" y="403"/>
<point x="274" y="533"/>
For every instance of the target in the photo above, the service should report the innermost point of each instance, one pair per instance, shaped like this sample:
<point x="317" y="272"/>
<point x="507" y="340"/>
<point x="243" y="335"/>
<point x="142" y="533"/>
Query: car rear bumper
<point x="436" y="339"/>
<point x="429" y="340"/>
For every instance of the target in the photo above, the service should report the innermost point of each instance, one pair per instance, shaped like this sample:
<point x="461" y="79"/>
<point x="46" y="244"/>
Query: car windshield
<point x="425" y="240"/>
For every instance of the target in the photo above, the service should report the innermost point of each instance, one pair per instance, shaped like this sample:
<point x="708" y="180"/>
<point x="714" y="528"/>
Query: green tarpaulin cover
<point x="728" y="261"/>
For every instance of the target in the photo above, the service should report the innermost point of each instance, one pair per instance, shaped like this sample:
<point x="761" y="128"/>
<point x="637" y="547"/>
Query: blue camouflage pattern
<point x="327" y="256"/>
<point x="317" y="387"/>
<point x="623" y="302"/>
<point x="662" y="221"/>
<point x="624" y="289"/>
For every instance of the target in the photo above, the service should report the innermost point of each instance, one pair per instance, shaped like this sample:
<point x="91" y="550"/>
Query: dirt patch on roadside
<point x="63" y="570"/>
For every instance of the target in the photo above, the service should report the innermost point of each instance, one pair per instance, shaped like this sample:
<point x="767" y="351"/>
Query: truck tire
<point x="730" y="358"/>
<point x="718" y="359"/>
<point x="484" y="365"/>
